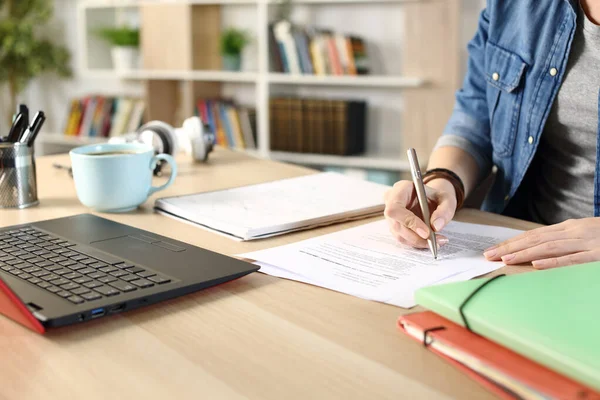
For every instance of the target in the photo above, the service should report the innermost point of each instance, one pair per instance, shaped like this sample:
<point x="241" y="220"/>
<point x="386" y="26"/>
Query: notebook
<point x="275" y="208"/>
<point x="551" y="317"/>
<point x="500" y="370"/>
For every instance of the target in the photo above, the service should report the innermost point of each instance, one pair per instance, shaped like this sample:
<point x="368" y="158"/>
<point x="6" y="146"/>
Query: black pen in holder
<point x="18" y="183"/>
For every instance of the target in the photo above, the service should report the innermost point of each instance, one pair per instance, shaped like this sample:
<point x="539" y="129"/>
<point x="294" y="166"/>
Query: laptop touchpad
<point x="140" y="250"/>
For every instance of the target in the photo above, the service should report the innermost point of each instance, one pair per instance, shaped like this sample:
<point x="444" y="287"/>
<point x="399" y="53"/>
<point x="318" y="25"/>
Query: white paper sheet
<point x="367" y="262"/>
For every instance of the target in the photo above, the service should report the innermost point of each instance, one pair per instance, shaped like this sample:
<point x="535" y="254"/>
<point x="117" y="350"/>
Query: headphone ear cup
<point x="159" y="135"/>
<point x="195" y="132"/>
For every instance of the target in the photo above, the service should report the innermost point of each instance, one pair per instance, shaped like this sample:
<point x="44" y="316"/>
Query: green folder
<point x="552" y="316"/>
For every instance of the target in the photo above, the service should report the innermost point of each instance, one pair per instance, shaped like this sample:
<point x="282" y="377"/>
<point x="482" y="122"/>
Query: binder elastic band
<point x="462" y="306"/>
<point x="426" y="331"/>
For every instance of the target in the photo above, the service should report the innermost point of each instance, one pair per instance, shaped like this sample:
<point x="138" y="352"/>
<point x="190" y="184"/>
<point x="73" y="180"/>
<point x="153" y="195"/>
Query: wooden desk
<point x="258" y="337"/>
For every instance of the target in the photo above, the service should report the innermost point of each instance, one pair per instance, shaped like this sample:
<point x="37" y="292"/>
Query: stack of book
<point x="315" y="51"/>
<point x="318" y="126"/>
<point x="234" y="126"/>
<point x="524" y="336"/>
<point x="100" y="116"/>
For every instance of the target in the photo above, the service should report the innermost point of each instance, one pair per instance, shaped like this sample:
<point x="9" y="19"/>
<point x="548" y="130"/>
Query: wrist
<point x="443" y="175"/>
<point x="442" y="184"/>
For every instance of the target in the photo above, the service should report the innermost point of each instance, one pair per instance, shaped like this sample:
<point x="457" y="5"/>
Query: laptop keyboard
<point x="50" y="263"/>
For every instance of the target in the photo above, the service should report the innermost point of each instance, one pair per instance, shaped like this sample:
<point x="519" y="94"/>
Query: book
<point x="275" y="58"/>
<point x="318" y="55"/>
<point x="137" y="115"/>
<point x="342" y="51"/>
<point x="226" y="125"/>
<point x="88" y="116"/>
<point x="333" y="56"/>
<point x="121" y="117"/>
<point x="236" y="128"/>
<point x="253" y="125"/>
<point x="497" y="368"/>
<point x="359" y="51"/>
<point x="246" y="126"/>
<point x="546" y="316"/>
<point x="274" y="208"/>
<point x="103" y="116"/>
<point x="301" y="39"/>
<point x="350" y="53"/>
<point x="73" y="118"/>
<point x="283" y="34"/>
<point x="339" y="131"/>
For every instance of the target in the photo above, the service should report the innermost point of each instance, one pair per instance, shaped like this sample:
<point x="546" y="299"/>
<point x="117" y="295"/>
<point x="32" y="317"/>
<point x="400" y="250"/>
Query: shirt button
<point x="530" y="140"/>
<point x="506" y="198"/>
<point x="495" y="76"/>
<point x="553" y="71"/>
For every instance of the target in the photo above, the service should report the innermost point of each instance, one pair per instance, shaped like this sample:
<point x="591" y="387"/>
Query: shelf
<point x="57" y="138"/>
<point x="369" y="161"/>
<point x="207" y="76"/>
<point x="214" y="76"/>
<point x="360" y="80"/>
<point x="136" y="3"/>
<point x="328" y="2"/>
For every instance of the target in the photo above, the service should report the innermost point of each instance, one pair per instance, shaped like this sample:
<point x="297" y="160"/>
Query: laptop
<point x="75" y="269"/>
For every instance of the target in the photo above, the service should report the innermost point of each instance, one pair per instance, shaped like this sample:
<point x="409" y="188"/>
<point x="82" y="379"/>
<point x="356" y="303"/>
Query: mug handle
<point x="171" y="161"/>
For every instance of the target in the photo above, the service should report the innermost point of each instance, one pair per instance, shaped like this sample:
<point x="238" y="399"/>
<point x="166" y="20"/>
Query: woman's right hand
<point x="403" y="212"/>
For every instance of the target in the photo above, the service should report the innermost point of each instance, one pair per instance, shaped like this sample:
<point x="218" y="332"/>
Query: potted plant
<point x="25" y="52"/>
<point x="233" y="42"/>
<point x="125" y="44"/>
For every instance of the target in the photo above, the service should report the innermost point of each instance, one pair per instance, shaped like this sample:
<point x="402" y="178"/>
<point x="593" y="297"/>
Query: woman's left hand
<point x="571" y="242"/>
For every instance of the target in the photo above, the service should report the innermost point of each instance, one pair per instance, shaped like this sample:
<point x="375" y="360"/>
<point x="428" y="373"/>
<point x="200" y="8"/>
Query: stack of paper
<point x="367" y="262"/>
<point x="275" y="208"/>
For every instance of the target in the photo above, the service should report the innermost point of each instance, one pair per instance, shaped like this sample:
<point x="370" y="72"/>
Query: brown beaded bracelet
<point x="451" y="177"/>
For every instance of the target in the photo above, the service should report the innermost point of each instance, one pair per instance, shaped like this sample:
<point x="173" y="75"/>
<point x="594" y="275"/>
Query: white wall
<point x="53" y="95"/>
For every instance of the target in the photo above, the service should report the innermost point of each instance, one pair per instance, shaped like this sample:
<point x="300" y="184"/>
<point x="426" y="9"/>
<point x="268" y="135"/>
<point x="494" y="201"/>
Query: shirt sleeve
<point x="469" y="124"/>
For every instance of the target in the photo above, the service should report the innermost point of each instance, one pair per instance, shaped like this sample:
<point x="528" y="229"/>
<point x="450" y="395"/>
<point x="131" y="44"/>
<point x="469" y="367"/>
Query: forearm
<point x="458" y="161"/>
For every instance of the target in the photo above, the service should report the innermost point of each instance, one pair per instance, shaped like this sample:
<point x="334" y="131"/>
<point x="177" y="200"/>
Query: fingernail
<point x="442" y="240"/>
<point x="490" y="248"/>
<point x="538" y="264"/>
<point x="508" y="257"/>
<point x="438" y="224"/>
<point x="490" y="253"/>
<point x="423" y="233"/>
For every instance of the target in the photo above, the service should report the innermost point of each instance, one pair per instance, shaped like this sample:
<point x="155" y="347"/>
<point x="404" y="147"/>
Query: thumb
<point x="446" y="207"/>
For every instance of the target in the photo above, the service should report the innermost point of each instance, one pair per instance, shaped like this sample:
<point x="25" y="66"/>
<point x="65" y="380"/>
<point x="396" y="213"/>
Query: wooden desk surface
<point x="258" y="337"/>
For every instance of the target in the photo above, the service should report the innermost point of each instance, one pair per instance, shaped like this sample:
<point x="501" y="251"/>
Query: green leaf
<point x="122" y="36"/>
<point x="233" y="41"/>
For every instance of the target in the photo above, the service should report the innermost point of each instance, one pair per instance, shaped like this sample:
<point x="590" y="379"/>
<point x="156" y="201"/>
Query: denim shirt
<point x="516" y="65"/>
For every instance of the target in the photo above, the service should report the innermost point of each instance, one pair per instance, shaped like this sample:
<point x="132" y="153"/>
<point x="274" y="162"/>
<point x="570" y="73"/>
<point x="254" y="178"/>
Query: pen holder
<point x="18" y="184"/>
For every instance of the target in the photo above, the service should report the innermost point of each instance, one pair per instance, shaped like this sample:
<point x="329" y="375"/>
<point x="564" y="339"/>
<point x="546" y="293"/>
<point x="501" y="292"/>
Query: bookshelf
<point x="411" y="100"/>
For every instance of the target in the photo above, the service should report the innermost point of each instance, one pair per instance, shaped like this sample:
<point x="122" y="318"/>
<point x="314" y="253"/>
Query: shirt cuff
<point x="483" y="162"/>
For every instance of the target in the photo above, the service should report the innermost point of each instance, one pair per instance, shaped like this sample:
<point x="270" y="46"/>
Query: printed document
<point x="275" y="208"/>
<point x="368" y="262"/>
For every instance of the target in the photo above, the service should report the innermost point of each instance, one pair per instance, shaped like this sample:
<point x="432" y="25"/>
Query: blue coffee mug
<point x="114" y="177"/>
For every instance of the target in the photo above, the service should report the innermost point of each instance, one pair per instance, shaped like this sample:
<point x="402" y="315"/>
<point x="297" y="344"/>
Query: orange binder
<point x="500" y="370"/>
<point x="12" y="307"/>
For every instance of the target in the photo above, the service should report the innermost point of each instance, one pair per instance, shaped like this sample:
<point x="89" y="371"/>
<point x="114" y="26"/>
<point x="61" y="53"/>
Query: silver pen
<point x="415" y="170"/>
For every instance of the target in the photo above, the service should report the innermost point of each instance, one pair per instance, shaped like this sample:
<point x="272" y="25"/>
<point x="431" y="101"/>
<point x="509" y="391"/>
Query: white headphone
<point x="194" y="137"/>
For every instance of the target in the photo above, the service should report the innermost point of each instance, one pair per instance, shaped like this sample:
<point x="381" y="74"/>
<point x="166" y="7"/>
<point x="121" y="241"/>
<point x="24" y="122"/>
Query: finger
<point x="444" y="212"/>
<point x="552" y="248"/>
<point x="409" y="238"/>
<point x="402" y="192"/>
<point x="535" y="232"/>
<point x="571" y="259"/>
<point x="527" y="241"/>
<point x="408" y="219"/>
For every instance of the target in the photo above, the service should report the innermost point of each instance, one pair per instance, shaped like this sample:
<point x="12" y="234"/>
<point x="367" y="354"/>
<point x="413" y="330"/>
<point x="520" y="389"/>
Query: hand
<point x="403" y="212"/>
<point x="571" y="242"/>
